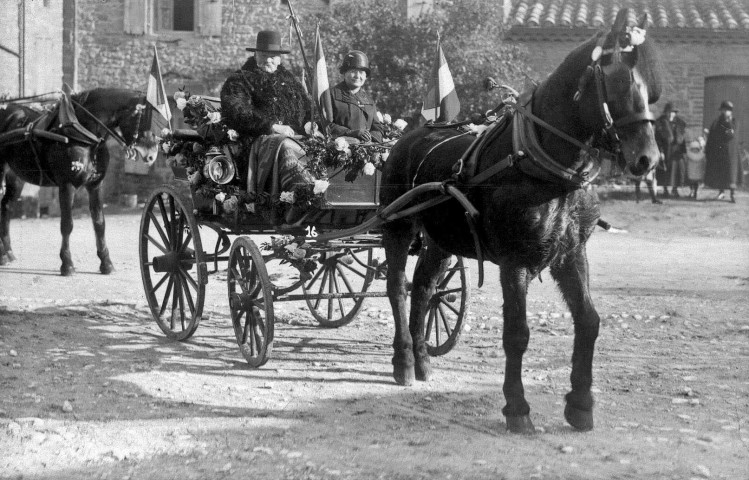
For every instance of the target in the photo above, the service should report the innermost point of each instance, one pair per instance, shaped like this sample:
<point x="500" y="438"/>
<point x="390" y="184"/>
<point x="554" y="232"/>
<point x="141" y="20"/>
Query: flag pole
<point x="437" y="106"/>
<point x="161" y="83"/>
<point x="307" y="69"/>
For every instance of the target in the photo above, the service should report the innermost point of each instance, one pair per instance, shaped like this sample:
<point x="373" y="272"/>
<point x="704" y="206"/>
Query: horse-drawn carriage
<point x="330" y="262"/>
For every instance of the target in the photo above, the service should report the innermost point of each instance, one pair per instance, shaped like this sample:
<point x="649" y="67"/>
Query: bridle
<point x="595" y="71"/>
<point x="127" y="145"/>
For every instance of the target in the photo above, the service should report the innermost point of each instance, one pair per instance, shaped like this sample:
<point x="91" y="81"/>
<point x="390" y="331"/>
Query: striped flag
<point x="156" y="95"/>
<point x="320" y="85"/>
<point x="441" y="102"/>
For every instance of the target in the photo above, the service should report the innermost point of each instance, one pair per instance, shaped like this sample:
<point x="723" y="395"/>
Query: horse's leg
<point x="12" y="191"/>
<point x="97" y="217"/>
<point x="67" y="195"/>
<point x="572" y="277"/>
<point x="515" y="338"/>
<point x="637" y="191"/>
<point x="396" y="238"/>
<point x="432" y="262"/>
<point x="653" y="189"/>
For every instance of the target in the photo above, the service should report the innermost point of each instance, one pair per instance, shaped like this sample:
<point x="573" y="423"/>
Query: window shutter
<point x="210" y="18"/>
<point x="136" y="14"/>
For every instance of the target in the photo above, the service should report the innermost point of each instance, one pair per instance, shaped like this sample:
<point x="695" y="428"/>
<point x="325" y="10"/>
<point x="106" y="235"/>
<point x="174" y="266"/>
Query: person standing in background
<point x="722" y="167"/>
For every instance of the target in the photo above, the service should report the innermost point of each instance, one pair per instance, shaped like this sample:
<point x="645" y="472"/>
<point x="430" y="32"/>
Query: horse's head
<point x="134" y="121"/>
<point x="622" y="79"/>
<point x="107" y="110"/>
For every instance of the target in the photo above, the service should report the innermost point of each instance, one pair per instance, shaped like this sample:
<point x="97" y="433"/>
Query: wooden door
<point x="728" y="87"/>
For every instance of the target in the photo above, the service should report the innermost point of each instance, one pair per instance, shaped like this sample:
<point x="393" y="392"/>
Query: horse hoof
<point x="423" y="371"/>
<point x="520" y="424"/>
<point x="11" y="257"/>
<point x="404" y="376"/>
<point x="106" y="268"/>
<point x="4" y="259"/>
<point x="581" y="420"/>
<point x="67" y="270"/>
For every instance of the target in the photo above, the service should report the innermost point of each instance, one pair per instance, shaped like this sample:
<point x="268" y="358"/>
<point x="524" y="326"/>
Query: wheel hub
<point x="171" y="262"/>
<point x="240" y="301"/>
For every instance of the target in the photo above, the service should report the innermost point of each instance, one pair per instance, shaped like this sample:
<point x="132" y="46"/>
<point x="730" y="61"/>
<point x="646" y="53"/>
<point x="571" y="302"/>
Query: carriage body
<point x="334" y="275"/>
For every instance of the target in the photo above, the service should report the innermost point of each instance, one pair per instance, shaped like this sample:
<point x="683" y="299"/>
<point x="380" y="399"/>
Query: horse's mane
<point x="106" y="94"/>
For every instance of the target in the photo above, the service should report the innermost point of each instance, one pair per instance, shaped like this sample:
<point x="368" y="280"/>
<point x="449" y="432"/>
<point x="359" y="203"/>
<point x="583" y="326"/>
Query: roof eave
<point x="519" y="33"/>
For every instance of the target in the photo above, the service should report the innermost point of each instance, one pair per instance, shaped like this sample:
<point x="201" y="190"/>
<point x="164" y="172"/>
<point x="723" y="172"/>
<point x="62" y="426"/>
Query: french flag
<point x="156" y="95"/>
<point x="441" y="102"/>
<point x="320" y="85"/>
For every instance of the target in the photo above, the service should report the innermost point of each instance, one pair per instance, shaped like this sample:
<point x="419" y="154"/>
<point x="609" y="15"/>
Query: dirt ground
<point x="91" y="388"/>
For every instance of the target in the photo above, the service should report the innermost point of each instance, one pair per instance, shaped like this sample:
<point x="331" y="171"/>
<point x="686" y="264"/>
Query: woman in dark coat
<point x="722" y="167"/>
<point x="354" y="111"/>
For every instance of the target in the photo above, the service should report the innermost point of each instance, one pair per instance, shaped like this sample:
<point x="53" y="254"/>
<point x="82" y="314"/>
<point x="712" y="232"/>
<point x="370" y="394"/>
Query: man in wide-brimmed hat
<point x="266" y="105"/>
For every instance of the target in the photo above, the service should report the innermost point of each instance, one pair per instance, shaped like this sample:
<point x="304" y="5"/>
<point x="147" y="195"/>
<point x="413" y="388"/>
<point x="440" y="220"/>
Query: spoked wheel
<point x="346" y="273"/>
<point x="172" y="263"/>
<point x="447" y="309"/>
<point x="250" y="301"/>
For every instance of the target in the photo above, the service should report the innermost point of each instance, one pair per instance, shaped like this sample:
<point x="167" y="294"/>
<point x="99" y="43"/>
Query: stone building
<point x="703" y="46"/>
<point x="32" y="46"/>
<point x="106" y="43"/>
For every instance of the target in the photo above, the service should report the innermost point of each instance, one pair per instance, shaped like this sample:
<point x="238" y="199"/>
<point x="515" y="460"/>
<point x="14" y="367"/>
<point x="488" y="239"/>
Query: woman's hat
<point x="726" y="105"/>
<point x="670" y="108"/>
<point x="268" y="41"/>
<point x="355" y="59"/>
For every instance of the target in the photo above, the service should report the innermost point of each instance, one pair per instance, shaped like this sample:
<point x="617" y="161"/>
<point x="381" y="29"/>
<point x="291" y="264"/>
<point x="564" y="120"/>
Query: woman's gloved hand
<point x="361" y="134"/>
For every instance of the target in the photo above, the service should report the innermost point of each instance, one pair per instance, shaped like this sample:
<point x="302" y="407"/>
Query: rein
<point x="120" y="139"/>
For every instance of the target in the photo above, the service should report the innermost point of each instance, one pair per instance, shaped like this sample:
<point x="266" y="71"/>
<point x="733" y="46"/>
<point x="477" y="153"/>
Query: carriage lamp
<point x="219" y="167"/>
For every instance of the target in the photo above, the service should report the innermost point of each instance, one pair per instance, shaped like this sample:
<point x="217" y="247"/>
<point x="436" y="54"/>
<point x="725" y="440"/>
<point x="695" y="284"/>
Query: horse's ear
<point x="620" y="23"/>
<point x="644" y="21"/>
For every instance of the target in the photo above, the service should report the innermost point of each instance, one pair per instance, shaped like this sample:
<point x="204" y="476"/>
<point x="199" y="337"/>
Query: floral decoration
<point x="323" y="153"/>
<point x="294" y="251"/>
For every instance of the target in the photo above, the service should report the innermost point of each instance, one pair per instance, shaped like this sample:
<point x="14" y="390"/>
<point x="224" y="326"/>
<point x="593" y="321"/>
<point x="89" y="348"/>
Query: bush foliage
<point x="402" y="52"/>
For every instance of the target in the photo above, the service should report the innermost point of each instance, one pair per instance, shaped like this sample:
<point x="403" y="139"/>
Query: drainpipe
<point x="22" y="48"/>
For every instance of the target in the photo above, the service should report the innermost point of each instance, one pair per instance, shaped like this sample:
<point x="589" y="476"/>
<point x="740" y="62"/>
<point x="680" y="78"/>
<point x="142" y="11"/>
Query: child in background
<point x="695" y="164"/>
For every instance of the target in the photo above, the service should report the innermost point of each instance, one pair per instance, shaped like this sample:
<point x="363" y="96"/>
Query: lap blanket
<point x="276" y="163"/>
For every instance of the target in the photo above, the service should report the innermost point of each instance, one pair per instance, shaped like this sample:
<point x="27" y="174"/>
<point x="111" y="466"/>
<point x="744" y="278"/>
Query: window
<point x="176" y="15"/>
<point x="164" y="17"/>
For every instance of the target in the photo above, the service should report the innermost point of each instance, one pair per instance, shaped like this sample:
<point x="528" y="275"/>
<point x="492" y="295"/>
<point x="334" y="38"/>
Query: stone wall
<point x="110" y="57"/>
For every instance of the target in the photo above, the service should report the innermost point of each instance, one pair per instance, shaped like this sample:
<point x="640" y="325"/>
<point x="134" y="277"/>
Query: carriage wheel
<point x="250" y="301"/>
<point x="172" y="263"/>
<point x="447" y="309"/>
<point x="347" y="271"/>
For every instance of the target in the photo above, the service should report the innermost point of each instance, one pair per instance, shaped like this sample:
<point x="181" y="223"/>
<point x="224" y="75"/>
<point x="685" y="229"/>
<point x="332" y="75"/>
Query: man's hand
<point x="363" y="135"/>
<point x="283" y="130"/>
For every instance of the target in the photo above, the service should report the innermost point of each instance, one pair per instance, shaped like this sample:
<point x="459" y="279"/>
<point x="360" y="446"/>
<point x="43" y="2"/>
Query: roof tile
<point x="664" y="14"/>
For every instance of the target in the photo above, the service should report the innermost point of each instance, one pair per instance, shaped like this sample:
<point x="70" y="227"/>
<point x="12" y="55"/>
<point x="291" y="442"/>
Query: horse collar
<point x="533" y="160"/>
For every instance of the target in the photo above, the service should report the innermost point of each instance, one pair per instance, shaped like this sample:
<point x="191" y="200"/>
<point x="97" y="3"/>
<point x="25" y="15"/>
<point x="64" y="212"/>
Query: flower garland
<point x="322" y="152"/>
<point x="294" y="251"/>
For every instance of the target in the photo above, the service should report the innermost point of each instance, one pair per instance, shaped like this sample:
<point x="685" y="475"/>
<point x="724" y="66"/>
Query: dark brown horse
<point x="82" y="162"/>
<point x="529" y="219"/>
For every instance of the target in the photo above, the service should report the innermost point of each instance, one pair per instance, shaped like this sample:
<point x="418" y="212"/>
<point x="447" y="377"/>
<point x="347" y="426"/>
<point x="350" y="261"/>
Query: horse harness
<point x="528" y="154"/>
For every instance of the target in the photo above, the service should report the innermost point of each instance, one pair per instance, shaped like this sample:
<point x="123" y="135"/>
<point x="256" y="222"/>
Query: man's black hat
<point x="268" y="41"/>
